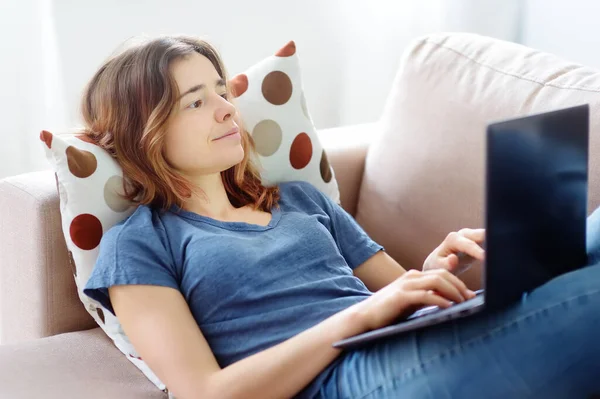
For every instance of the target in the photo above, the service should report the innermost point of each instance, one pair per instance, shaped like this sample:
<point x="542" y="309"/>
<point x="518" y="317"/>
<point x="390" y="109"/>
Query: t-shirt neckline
<point x="275" y="217"/>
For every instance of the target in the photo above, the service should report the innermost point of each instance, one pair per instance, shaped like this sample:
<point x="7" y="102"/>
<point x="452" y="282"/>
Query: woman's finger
<point x="458" y="283"/>
<point x="437" y="283"/>
<point x="451" y="262"/>
<point x="426" y="298"/>
<point x="477" y="235"/>
<point x="460" y="243"/>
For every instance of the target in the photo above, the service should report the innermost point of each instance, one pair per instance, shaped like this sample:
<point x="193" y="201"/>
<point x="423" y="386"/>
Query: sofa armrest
<point x="38" y="296"/>
<point x="346" y="149"/>
<point x="82" y="364"/>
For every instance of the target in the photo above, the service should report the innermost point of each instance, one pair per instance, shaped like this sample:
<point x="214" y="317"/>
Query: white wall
<point x="244" y="33"/>
<point x="376" y="32"/>
<point x="31" y="91"/>
<point x="349" y="51"/>
<point x="569" y="29"/>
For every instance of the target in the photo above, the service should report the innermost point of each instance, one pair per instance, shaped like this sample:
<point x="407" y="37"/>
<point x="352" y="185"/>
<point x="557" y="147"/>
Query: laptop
<point x="535" y="214"/>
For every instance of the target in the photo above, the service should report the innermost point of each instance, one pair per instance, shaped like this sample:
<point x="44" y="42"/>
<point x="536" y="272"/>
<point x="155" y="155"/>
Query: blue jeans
<point x="546" y="346"/>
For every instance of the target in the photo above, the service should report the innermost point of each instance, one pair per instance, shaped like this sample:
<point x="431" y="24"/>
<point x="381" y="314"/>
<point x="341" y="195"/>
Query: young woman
<point x="229" y="289"/>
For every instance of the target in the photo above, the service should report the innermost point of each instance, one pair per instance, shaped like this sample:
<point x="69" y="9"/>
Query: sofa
<point x="408" y="179"/>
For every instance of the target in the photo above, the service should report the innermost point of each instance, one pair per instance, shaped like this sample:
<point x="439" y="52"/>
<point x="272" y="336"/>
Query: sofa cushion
<point x="424" y="177"/>
<point x="83" y="364"/>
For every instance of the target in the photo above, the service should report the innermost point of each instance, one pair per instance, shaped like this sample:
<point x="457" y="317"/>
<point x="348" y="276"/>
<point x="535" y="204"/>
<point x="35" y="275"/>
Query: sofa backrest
<point x="424" y="177"/>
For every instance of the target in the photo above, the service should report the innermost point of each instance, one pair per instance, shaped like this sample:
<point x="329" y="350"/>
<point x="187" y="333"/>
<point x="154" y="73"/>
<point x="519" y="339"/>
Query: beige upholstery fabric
<point x="60" y="367"/>
<point x="37" y="291"/>
<point x="347" y="148"/>
<point x="424" y="178"/>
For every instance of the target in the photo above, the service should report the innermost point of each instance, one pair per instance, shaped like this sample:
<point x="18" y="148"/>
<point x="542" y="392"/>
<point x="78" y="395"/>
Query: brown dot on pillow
<point x="112" y="190"/>
<point x="72" y="264"/>
<point x="277" y="87"/>
<point x="81" y="163"/>
<point x="267" y="137"/>
<point x="301" y="151"/>
<point x="86" y="231"/>
<point x="46" y="137"/>
<point x="100" y="314"/>
<point x="288" y="50"/>
<point x="325" y="168"/>
<point x="239" y="84"/>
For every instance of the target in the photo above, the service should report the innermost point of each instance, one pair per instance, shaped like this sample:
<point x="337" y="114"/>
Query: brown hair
<point x="126" y="106"/>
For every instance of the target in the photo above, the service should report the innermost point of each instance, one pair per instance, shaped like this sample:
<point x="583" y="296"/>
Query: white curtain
<point x="30" y="82"/>
<point x="349" y="51"/>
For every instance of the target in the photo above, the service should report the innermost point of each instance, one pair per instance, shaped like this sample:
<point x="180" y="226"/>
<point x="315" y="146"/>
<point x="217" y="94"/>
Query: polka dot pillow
<point x="89" y="181"/>
<point x="271" y="102"/>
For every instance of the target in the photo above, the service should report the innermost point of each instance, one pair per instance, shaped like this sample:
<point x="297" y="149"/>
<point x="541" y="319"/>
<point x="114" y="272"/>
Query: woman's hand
<point x="409" y="292"/>
<point x="457" y="251"/>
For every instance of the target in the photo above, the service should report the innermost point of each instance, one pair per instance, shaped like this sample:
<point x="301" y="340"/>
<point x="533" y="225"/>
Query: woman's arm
<point x="167" y="337"/>
<point x="378" y="271"/>
<point x="288" y="367"/>
<point x="161" y="327"/>
<point x="457" y="251"/>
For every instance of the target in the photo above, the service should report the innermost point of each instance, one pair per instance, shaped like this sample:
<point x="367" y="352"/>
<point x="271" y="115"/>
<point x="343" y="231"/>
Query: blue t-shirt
<point x="249" y="287"/>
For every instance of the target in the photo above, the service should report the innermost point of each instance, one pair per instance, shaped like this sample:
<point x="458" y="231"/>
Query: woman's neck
<point x="210" y="198"/>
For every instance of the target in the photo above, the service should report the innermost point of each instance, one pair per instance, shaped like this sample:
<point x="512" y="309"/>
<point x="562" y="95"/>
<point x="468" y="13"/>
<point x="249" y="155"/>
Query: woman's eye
<point x="195" y="104"/>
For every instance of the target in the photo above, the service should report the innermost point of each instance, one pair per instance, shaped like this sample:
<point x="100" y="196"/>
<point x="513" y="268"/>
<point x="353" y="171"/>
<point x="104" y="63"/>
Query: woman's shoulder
<point x="302" y="194"/>
<point x="297" y="190"/>
<point x="143" y="223"/>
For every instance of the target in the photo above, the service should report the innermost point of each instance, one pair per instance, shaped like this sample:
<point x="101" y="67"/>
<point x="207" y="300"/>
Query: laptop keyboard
<point x="432" y="309"/>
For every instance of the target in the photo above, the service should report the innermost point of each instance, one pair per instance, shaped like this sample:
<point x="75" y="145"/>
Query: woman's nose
<point x="225" y="111"/>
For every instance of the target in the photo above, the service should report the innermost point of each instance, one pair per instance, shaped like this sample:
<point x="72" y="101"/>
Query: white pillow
<point x="89" y="180"/>
<point x="270" y="99"/>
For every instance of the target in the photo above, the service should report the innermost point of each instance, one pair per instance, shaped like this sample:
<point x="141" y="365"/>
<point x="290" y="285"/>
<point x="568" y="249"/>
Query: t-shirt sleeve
<point x="131" y="255"/>
<point x="354" y="243"/>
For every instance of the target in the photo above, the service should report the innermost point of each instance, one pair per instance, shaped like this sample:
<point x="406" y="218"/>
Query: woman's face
<point x="201" y="136"/>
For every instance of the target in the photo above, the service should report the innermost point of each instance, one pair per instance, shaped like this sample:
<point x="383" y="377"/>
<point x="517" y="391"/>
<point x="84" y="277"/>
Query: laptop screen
<point x="536" y="201"/>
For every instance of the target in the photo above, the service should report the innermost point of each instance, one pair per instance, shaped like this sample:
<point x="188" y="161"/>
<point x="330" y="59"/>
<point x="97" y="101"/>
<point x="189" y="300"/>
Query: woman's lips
<point x="232" y="133"/>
